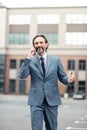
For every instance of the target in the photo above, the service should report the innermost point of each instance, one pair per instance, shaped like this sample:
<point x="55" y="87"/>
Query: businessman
<point x="44" y="96"/>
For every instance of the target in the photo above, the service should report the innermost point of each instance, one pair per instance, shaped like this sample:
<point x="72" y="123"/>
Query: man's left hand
<point x="71" y="77"/>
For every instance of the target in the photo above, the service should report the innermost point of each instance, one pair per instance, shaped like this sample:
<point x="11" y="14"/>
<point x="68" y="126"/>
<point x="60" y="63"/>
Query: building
<point x="66" y="30"/>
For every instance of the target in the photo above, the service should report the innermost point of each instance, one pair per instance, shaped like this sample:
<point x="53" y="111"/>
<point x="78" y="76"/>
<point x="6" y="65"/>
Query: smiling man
<point x="44" y="96"/>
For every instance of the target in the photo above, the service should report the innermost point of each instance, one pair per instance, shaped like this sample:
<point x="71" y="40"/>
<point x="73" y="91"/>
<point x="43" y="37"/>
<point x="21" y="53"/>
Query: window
<point x="52" y="38"/>
<point x="1" y="86"/>
<point x="12" y="64"/>
<point x="2" y="72"/>
<point x="19" y="19"/>
<point x="22" y="86"/>
<point x="12" y="85"/>
<point x="71" y="65"/>
<point x="70" y="90"/>
<point x="82" y="65"/>
<point x="21" y="61"/>
<point x="48" y="26"/>
<point x="81" y="86"/>
<point x="19" y="38"/>
<point x="19" y="29"/>
<point x="76" y="18"/>
<point x="76" y="38"/>
<point x="76" y="29"/>
<point x="2" y="60"/>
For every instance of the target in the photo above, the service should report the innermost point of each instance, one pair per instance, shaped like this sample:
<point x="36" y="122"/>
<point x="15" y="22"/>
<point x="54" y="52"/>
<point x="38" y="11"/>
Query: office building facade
<point x="66" y="31"/>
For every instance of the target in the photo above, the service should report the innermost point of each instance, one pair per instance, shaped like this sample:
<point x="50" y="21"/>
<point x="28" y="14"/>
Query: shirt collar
<point x="43" y="56"/>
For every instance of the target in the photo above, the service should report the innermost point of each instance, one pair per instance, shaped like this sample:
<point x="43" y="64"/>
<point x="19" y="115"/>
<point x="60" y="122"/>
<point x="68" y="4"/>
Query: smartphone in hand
<point x="33" y="52"/>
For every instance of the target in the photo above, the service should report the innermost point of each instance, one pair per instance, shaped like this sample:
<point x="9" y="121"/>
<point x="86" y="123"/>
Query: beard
<point x="40" y="50"/>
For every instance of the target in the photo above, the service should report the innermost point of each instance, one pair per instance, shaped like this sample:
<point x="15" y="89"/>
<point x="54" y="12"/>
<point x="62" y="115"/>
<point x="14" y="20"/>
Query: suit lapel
<point x="48" y="63"/>
<point x="38" y="65"/>
<point x="36" y="61"/>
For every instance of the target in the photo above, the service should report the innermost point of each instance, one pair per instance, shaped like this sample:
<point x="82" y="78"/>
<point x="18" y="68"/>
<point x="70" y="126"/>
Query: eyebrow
<point x="39" y="42"/>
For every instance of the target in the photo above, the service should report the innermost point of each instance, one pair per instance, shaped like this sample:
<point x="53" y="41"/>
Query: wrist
<point x="28" y="57"/>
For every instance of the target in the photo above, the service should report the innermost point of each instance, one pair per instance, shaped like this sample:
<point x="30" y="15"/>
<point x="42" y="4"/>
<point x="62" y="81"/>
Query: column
<point x="33" y="27"/>
<point x="62" y="29"/>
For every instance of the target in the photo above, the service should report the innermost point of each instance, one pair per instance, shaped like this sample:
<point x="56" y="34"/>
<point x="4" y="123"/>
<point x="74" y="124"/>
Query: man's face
<point x="40" y="45"/>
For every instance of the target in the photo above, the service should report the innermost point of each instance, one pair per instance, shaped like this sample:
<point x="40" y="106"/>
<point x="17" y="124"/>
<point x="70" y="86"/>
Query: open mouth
<point x="39" y="50"/>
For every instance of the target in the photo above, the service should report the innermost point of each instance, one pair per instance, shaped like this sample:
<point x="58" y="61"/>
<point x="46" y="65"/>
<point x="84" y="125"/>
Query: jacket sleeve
<point x="24" y="70"/>
<point x="61" y="74"/>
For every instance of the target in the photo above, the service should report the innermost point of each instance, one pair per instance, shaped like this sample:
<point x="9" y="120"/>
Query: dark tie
<point x="43" y="65"/>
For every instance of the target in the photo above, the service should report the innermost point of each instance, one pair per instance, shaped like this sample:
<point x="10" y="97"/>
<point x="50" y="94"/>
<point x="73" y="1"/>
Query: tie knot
<point x="42" y="59"/>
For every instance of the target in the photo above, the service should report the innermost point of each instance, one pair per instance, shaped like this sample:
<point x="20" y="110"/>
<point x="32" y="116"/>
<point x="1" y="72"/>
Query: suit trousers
<point x="46" y="112"/>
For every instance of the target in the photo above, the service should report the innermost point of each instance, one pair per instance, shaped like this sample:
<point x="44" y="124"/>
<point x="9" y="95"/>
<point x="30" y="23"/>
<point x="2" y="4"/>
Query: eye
<point x="41" y="42"/>
<point x="36" y="43"/>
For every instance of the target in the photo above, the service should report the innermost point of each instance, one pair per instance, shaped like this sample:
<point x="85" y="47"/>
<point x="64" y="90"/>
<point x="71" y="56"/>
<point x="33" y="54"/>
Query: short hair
<point x="40" y="35"/>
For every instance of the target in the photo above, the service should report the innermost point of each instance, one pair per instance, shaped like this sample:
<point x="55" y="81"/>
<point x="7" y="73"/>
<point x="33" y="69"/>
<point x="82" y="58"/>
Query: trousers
<point x="44" y="112"/>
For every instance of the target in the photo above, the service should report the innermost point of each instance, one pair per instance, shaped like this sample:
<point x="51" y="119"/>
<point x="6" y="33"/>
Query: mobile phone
<point x="33" y="52"/>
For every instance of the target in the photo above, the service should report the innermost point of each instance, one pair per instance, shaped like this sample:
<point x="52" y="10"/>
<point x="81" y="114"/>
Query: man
<point x="44" y="96"/>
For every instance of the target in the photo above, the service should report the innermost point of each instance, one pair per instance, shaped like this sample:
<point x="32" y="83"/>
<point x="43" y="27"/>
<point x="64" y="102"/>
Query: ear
<point x="47" y="45"/>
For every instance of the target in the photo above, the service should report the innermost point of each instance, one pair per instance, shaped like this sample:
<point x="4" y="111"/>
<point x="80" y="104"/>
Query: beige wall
<point x="3" y="24"/>
<point x="66" y="52"/>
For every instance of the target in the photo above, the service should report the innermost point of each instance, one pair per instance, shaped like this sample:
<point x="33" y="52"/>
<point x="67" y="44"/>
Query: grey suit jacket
<point x="41" y="86"/>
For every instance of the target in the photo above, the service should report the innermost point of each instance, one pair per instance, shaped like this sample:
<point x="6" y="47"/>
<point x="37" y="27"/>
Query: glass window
<point x="12" y="64"/>
<point x="21" y="61"/>
<point x="21" y="38"/>
<point x="76" y="18"/>
<point x="12" y="85"/>
<point x="76" y="38"/>
<point x="19" y="29"/>
<point x="81" y="86"/>
<point x="52" y="38"/>
<point x="22" y="86"/>
<point x="1" y="86"/>
<point x="70" y="90"/>
<point x="2" y="72"/>
<point x="19" y="19"/>
<point x="2" y="60"/>
<point x="48" y="19"/>
<point x="82" y="65"/>
<point x="71" y="65"/>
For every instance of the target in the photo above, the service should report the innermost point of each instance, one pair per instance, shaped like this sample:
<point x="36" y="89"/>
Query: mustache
<point x="39" y="48"/>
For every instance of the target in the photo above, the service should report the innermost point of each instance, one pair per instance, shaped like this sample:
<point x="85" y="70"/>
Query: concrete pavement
<point x="15" y="113"/>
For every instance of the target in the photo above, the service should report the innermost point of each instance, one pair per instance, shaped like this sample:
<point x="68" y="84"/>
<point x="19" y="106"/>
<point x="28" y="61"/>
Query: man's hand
<point x="71" y="78"/>
<point x="32" y="53"/>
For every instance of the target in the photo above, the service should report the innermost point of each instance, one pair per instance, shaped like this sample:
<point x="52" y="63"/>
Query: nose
<point x="39" y="44"/>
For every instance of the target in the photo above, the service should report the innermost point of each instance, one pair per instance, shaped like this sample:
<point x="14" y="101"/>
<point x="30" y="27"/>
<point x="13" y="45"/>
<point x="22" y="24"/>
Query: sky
<point x="43" y="3"/>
